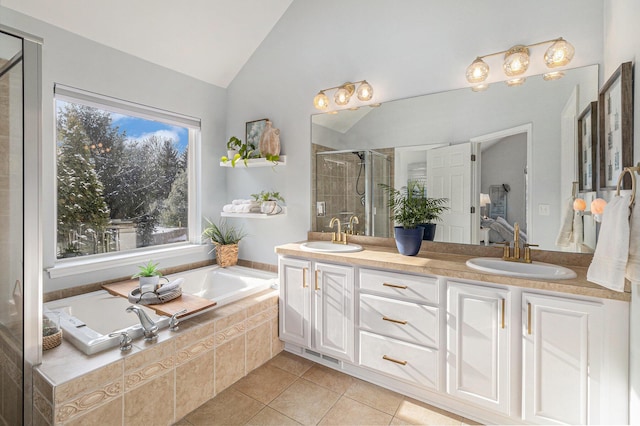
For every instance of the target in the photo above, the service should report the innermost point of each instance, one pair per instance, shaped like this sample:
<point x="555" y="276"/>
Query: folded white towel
<point x="227" y="208"/>
<point x="236" y="202"/>
<point x="173" y="285"/>
<point x="566" y="225"/>
<point x="612" y="251"/>
<point x="246" y="202"/>
<point x="633" y="264"/>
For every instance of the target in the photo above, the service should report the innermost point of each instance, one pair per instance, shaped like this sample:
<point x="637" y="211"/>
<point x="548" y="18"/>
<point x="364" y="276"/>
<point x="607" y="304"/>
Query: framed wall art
<point x="615" y="105"/>
<point x="254" y="131"/>
<point x="587" y="147"/>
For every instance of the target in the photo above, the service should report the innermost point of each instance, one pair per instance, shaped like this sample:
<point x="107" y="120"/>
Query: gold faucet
<point x="353" y="219"/>
<point x="506" y="255"/>
<point x="336" y="237"/>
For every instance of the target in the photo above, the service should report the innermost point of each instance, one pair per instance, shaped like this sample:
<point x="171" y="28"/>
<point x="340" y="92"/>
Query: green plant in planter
<point x="223" y="233"/>
<point x="409" y="206"/>
<point x="148" y="270"/>
<point x="234" y="144"/>
<point x="268" y="196"/>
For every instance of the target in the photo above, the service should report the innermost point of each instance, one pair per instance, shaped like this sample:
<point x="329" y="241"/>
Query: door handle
<point x="304" y="277"/>
<point x="317" y="287"/>
<point x="529" y="318"/>
<point x="504" y="302"/>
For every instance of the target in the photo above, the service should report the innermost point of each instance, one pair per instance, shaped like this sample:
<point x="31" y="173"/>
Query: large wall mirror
<point x="522" y="139"/>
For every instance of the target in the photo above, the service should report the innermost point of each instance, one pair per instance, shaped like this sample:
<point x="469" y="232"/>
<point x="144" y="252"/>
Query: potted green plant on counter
<point x="269" y="202"/>
<point x="225" y="239"/>
<point x="409" y="208"/>
<point x="435" y="207"/>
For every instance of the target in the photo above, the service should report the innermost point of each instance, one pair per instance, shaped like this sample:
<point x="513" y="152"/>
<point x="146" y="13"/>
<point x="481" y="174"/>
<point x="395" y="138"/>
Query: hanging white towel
<point x="566" y="225"/>
<point x="612" y="251"/>
<point x="633" y="264"/>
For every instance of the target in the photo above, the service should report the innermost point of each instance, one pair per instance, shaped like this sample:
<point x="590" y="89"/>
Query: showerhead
<point x="360" y="155"/>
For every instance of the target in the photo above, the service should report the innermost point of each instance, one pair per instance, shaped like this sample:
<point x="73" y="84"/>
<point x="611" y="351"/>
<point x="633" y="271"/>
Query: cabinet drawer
<point x="403" y="320"/>
<point x="418" y="288"/>
<point x="405" y="361"/>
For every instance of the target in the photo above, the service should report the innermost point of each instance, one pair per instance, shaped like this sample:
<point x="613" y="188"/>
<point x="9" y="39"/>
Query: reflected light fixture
<point x="343" y="94"/>
<point x="516" y="63"/>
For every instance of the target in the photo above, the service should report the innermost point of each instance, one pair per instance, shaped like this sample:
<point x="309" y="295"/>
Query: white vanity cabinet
<point x="478" y="344"/>
<point x="316" y="306"/>
<point x="399" y="323"/>
<point x="562" y="372"/>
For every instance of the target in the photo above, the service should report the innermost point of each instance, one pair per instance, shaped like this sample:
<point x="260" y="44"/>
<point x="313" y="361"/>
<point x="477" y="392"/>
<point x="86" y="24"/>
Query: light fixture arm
<point x="343" y="84"/>
<point x="553" y="40"/>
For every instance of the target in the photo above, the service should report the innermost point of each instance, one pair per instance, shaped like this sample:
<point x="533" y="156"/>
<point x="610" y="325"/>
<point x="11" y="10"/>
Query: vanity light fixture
<point x="597" y="208"/>
<point x="517" y="60"/>
<point x="343" y="94"/>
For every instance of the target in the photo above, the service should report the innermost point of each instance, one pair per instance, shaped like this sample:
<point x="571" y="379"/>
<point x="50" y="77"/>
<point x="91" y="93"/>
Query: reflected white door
<point x="450" y="174"/>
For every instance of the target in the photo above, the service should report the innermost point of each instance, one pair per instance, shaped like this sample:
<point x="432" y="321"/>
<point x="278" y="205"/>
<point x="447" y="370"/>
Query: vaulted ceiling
<point x="210" y="40"/>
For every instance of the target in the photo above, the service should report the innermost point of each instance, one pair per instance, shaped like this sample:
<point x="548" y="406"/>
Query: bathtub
<point x="225" y="285"/>
<point x="88" y="319"/>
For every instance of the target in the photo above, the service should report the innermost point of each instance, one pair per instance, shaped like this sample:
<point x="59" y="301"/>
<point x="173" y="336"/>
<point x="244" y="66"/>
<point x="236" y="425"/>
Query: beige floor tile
<point x="351" y="412"/>
<point x="265" y="383"/>
<point x="270" y="417"/>
<point x="414" y="412"/>
<point x="328" y="378"/>
<point x="229" y="408"/>
<point x="305" y="402"/>
<point x="292" y="363"/>
<point x="374" y="396"/>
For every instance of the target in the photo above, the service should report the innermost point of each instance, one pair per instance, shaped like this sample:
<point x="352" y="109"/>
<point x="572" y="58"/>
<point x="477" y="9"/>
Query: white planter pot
<point x="270" y="207"/>
<point x="231" y="153"/>
<point x="148" y="283"/>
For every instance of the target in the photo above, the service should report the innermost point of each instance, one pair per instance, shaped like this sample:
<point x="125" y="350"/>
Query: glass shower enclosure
<point x="348" y="184"/>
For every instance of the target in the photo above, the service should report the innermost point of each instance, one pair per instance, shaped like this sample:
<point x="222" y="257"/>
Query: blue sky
<point x="140" y="128"/>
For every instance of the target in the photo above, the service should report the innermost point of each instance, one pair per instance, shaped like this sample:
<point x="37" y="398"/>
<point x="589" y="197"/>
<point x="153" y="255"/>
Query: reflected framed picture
<point x="587" y="147"/>
<point x="615" y="113"/>
<point x="254" y="131"/>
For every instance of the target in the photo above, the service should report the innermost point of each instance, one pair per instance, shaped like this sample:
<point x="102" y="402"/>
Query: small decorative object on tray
<point x="163" y="294"/>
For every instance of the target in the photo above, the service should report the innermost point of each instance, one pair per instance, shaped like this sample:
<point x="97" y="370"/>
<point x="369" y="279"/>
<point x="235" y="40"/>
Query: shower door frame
<point x="32" y="214"/>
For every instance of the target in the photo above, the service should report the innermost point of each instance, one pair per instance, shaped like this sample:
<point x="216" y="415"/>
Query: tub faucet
<point x="150" y="328"/>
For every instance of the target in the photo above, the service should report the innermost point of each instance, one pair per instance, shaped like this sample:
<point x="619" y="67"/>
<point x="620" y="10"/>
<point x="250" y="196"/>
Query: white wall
<point x="79" y="62"/>
<point x="402" y="48"/>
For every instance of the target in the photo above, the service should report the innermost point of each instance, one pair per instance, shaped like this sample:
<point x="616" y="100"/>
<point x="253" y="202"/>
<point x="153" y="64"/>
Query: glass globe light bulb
<point x="342" y="96"/>
<point x="478" y="71"/>
<point x="365" y="91"/>
<point x="516" y="61"/>
<point x="321" y="101"/>
<point x="598" y="205"/>
<point x="579" y="205"/>
<point x="559" y="54"/>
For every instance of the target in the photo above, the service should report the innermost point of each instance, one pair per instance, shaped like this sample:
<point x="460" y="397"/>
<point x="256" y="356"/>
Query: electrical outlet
<point x="544" y="209"/>
<point x="320" y="208"/>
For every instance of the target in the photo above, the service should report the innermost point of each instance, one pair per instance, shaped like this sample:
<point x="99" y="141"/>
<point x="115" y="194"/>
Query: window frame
<point x="105" y="261"/>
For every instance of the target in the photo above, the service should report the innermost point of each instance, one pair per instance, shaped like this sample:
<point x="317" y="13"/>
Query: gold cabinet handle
<point x="394" y="320"/>
<point x="529" y="318"/>
<point x="397" y="361"/>
<point x="402" y="287"/>
<point x="317" y="287"/>
<point x="305" y="271"/>
<point x="504" y="303"/>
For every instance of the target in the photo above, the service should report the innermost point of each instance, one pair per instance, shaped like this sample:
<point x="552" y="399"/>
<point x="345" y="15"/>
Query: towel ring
<point x="632" y="171"/>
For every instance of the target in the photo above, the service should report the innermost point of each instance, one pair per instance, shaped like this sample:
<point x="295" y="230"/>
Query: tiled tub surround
<point x="160" y="382"/>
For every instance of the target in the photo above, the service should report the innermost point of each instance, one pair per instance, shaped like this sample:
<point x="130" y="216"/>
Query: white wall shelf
<point x="255" y="215"/>
<point x="256" y="162"/>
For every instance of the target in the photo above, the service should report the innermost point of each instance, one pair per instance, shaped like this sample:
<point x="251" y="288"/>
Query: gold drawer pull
<point x="503" y="309"/>
<point x="317" y="287"/>
<point x="402" y="287"/>
<point x="394" y="320"/>
<point x="304" y="277"/>
<point x="394" y="360"/>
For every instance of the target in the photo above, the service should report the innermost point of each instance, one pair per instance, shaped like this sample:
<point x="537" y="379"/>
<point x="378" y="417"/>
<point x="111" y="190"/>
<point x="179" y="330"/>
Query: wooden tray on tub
<point x="189" y="302"/>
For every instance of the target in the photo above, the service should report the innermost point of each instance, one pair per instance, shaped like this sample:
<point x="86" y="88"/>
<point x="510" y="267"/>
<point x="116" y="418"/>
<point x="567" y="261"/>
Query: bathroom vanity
<point x="493" y="348"/>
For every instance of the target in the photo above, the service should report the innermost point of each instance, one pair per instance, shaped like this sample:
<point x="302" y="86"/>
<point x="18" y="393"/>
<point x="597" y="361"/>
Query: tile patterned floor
<point x="290" y="390"/>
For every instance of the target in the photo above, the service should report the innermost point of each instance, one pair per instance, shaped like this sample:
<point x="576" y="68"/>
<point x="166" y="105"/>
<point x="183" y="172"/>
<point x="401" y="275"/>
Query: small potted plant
<point x="269" y="201"/>
<point x="225" y="239"/>
<point x="233" y="146"/>
<point x="434" y="208"/>
<point x="409" y="208"/>
<point x="149" y="277"/>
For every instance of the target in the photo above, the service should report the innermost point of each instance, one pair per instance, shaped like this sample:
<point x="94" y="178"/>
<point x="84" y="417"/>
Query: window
<point x="122" y="175"/>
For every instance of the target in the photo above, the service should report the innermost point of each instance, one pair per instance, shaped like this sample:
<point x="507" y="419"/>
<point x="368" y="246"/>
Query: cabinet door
<point x="557" y="370"/>
<point x="334" y="306"/>
<point x="295" y="301"/>
<point x="478" y="345"/>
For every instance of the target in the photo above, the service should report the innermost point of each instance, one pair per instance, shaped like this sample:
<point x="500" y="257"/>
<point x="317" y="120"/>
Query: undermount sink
<point x="541" y="270"/>
<point x="329" y="247"/>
